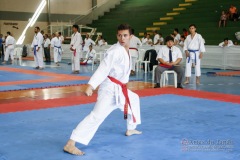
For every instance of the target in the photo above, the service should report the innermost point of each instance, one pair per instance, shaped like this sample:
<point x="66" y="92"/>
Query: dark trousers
<point x="47" y="54"/>
<point x="159" y="70"/>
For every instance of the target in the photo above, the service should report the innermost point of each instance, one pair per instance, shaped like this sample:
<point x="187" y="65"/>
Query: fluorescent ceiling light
<point x="32" y="21"/>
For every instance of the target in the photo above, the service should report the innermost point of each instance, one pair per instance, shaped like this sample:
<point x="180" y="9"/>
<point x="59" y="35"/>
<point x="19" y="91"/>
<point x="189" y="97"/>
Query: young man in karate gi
<point x="169" y="57"/>
<point x="9" y="45"/>
<point x="133" y="50"/>
<point x="37" y="48"/>
<point x="112" y="76"/>
<point x="194" y="48"/>
<point x="56" y="44"/>
<point x="87" y="42"/>
<point x="76" y="48"/>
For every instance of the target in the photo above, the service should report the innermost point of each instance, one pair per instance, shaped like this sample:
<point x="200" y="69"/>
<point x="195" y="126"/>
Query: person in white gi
<point x="56" y="44"/>
<point x="145" y="36"/>
<point x="76" y="47"/>
<point x="194" y="48"/>
<point x="161" y="39"/>
<point x="147" y="40"/>
<point x="156" y="38"/>
<point x="9" y="45"/>
<point x="112" y="76"/>
<point x="87" y="42"/>
<point x="37" y="48"/>
<point x="133" y="50"/>
<point x="61" y="37"/>
<point x="226" y="43"/>
<point x="89" y="56"/>
<point x="177" y="37"/>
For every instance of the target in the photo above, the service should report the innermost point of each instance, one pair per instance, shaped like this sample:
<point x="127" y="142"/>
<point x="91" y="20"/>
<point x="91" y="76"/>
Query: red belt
<point x="74" y="52"/>
<point x="134" y="49"/>
<point x="125" y="93"/>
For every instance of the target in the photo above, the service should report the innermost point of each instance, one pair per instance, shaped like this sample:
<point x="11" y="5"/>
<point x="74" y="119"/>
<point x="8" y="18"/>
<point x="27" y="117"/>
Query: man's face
<point x="226" y="42"/>
<point x="74" y="29"/>
<point x="57" y="34"/>
<point x="35" y="30"/>
<point x="148" y="36"/>
<point x="87" y="36"/>
<point x="192" y="29"/>
<point x="124" y="37"/>
<point x="170" y="43"/>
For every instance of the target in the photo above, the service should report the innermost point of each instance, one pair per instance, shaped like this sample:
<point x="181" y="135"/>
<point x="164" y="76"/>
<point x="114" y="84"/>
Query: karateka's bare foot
<point x="72" y="149"/>
<point x="4" y="62"/>
<point x="132" y="132"/>
<point x="186" y="82"/>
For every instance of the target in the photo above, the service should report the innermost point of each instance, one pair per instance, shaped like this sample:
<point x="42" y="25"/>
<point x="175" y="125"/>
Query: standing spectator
<point x="156" y="38"/>
<point x="147" y="40"/>
<point x="185" y="32"/>
<point x="233" y="13"/>
<point x="61" y="37"/>
<point x="223" y="19"/>
<point x="46" y="45"/>
<point x="177" y="36"/>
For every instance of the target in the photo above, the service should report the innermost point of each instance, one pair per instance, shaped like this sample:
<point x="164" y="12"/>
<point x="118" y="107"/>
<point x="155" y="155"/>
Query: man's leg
<point x="179" y="71"/>
<point x="134" y="59"/>
<point x="6" y="56"/>
<point x="86" y="129"/>
<point x="198" y="71"/>
<point x="11" y="54"/>
<point x="40" y="58"/>
<point x="188" y="71"/>
<point x="158" y="72"/>
<point x="135" y="105"/>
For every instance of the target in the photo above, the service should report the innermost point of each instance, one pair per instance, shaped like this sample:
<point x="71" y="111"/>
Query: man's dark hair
<point x="182" y="36"/>
<point x="192" y="25"/>
<point x="37" y="28"/>
<point x="46" y="35"/>
<point x="225" y="39"/>
<point x="155" y="31"/>
<point x="176" y="29"/>
<point x="125" y="27"/>
<point x="60" y="33"/>
<point x="160" y="34"/>
<point x="184" y="29"/>
<point x="76" y="26"/>
<point x="169" y="38"/>
<point x="9" y="33"/>
<point x="132" y="31"/>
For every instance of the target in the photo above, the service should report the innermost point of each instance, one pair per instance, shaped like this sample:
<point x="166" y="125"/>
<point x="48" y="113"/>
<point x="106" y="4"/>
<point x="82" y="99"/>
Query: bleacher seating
<point x="144" y="15"/>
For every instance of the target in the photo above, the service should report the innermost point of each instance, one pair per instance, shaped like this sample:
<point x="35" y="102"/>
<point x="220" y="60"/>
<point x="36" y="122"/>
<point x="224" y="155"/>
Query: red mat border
<point x="77" y="100"/>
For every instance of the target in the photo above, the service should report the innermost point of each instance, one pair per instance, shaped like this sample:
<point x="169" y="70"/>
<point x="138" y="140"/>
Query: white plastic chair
<point x="153" y="72"/>
<point x="18" y="53"/>
<point x="164" y="78"/>
<point x="98" y="57"/>
<point x="141" y="60"/>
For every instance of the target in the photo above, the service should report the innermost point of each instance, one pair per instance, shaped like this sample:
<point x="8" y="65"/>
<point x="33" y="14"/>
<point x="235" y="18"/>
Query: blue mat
<point x="170" y="123"/>
<point x="15" y="76"/>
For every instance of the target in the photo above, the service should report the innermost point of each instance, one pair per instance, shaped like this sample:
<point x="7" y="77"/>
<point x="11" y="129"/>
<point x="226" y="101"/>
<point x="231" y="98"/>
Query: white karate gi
<point x="90" y="56"/>
<point x="194" y="46"/>
<point x="230" y="43"/>
<point x="76" y="43"/>
<point x="133" y="50"/>
<point x="38" y="55"/>
<point x="56" y="44"/>
<point x="146" y="41"/>
<point x="177" y="38"/>
<point x="156" y="38"/>
<point x="87" y="43"/>
<point x="9" y="43"/>
<point x="116" y="63"/>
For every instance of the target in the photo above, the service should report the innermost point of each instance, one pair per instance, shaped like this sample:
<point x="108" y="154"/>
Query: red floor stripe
<point x="76" y="100"/>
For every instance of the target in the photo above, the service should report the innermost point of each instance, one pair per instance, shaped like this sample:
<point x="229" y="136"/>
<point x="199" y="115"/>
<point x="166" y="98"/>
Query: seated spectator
<point x="226" y="43"/>
<point x="145" y="36"/>
<point x="182" y="39"/>
<point x="233" y="13"/>
<point x="223" y="19"/>
<point x="89" y="56"/>
<point x="169" y="57"/>
<point x="185" y="32"/>
<point x="147" y="40"/>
